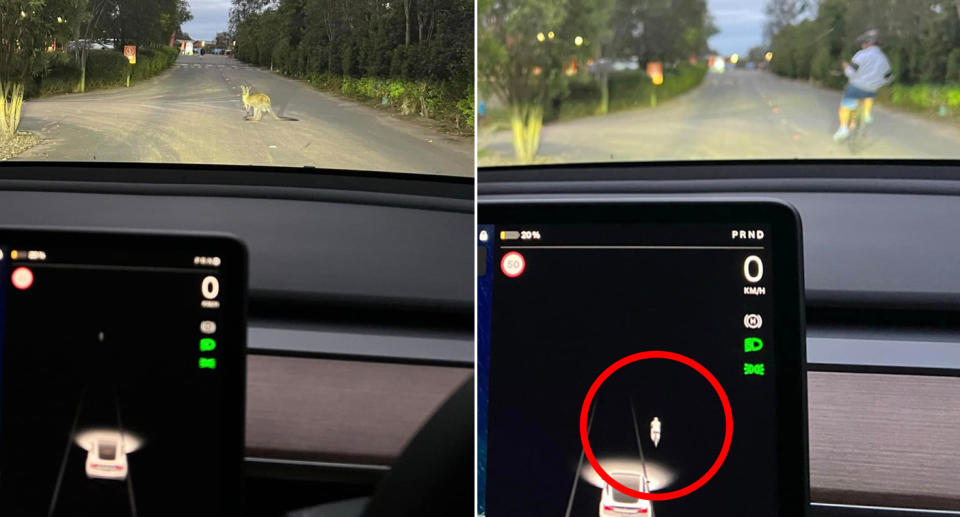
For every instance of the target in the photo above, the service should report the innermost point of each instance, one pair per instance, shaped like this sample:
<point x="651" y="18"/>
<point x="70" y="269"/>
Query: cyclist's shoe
<point x="841" y="134"/>
<point x="867" y="118"/>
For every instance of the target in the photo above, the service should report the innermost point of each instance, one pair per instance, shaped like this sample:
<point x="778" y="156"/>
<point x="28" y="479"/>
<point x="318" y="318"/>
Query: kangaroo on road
<point x="259" y="103"/>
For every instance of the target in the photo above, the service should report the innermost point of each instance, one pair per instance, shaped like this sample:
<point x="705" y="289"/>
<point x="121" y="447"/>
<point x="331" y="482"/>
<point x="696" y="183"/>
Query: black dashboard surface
<point x="311" y="233"/>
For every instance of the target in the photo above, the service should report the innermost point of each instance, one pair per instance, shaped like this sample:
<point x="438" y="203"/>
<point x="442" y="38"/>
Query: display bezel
<point x="786" y="250"/>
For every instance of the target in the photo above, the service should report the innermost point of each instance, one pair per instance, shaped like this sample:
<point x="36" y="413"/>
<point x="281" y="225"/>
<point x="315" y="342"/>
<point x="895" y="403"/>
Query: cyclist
<point x="867" y="72"/>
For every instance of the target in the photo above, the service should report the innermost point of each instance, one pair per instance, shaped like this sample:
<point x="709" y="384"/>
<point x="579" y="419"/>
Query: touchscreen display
<point x="688" y="309"/>
<point x="121" y="373"/>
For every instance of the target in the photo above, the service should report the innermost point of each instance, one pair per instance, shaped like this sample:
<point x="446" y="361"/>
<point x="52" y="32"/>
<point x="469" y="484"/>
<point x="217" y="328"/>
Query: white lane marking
<point x="888" y="508"/>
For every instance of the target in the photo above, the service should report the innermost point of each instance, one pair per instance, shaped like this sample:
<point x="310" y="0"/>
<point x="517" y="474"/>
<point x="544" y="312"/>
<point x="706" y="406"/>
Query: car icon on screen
<point x="106" y="457"/>
<point x="614" y="503"/>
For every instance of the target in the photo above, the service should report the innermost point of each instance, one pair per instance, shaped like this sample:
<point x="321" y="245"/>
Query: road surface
<point x="193" y="114"/>
<point x="738" y="114"/>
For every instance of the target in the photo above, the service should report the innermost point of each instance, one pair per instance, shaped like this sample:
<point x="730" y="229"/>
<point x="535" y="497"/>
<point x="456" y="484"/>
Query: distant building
<point x="189" y="47"/>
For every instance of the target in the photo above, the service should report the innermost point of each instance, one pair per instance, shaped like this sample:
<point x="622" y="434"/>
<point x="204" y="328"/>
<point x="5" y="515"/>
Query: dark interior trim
<point x="420" y="361"/>
<point x="884" y="300"/>
<point x="390" y="312"/>
<point x="939" y="187"/>
<point x="883" y="318"/>
<point x="932" y="177"/>
<point x="854" y="510"/>
<point x="422" y="191"/>
<point x="881" y="504"/>
<point x="301" y="470"/>
<point x="892" y="370"/>
<point x="722" y="169"/>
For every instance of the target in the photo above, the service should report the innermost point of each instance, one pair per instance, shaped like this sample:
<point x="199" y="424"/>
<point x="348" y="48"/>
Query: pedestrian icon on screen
<point x="655" y="431"/>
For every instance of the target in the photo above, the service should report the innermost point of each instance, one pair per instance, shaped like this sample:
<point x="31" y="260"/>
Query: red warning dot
<point x="513" y="264"/>
<point x="22" y="278"/>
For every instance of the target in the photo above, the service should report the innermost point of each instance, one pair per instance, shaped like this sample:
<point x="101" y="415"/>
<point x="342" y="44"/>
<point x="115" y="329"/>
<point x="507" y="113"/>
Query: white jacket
<point x="869" y="69"/>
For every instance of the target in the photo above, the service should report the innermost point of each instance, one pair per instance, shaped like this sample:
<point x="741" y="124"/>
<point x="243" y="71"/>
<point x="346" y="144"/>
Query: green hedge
<point x="435" y="100"/>
<point x="151" y="62"/>
<point x="923" y="97"/>
<point x="628" y="89"/>
<point x="105" y="69"/>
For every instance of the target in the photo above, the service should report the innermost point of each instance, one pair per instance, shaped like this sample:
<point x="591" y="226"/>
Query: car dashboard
<point x="360" y="308"/>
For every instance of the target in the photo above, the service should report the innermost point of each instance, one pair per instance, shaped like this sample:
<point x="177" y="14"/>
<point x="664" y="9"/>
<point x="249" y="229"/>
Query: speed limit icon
<point x="512" y="264"/>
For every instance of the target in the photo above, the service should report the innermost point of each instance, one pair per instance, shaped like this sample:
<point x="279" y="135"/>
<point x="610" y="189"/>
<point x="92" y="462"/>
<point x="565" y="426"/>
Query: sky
<point x="740" y="23"/>
<point x="209" y="18"/>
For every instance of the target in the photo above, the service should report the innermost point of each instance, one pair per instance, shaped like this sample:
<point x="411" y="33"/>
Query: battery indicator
<point x="509" y="235"/>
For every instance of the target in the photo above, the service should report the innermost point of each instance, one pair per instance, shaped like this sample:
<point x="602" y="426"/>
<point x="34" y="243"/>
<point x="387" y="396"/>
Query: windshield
<point x="108" y="450"/>
<point x="631" y="482"/>
<point x="565" y="81"/>
<point x="375" y="85"/>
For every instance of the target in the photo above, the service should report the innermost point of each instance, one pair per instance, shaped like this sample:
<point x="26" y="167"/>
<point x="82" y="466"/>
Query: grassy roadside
<point x="438" y="102"/>
<point x="20" y="142"/>
<point x="933" y="101"/>
<point x="435" y="101"/>
<point x="105" y="69"/>
<point x="629" y="89"/>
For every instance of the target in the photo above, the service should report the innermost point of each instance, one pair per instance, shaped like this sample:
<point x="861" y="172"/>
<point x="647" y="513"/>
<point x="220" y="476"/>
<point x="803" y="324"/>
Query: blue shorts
<point x="853" y="94"/>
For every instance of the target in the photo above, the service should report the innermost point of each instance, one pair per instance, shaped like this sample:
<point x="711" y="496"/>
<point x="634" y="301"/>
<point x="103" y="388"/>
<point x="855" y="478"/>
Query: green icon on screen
<point x="208" y="362"/>
<point x="753" y="369"/>
<point x="207" y="344"/>
<point x="752" y="344"/>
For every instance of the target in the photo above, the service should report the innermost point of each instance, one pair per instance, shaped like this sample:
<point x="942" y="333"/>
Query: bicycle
<point x="857" y="139"/>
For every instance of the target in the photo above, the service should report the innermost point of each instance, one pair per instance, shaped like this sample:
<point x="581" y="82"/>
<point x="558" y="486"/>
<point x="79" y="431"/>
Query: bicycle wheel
<point x="855" y="140"/>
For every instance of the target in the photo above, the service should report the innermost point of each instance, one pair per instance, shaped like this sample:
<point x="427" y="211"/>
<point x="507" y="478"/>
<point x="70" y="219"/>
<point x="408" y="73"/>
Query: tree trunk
<point x="11" y="101"/>
<point x="526" y="121"/>
<point x="82" y="87"/>
<point x="420" y="22"/>
<point x="406" y="14"/>
<point x="604" y="106"/>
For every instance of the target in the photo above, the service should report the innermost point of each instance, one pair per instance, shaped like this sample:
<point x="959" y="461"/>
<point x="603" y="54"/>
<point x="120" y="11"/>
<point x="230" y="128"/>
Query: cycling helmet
<point x="872" y="35"/>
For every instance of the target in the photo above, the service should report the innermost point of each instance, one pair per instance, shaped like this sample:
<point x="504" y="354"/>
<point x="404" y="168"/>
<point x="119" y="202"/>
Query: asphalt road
<point x="193" y="114"/>
<point x="738" y="114"/>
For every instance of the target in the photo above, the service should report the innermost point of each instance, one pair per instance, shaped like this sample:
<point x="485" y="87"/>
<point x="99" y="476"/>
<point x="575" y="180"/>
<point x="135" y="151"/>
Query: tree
<point x="918" y="37"/>
<point x="781" y="13"/>
<point x="243" y="9"/>
<point x="523" y="46"/>
<point x="223" y="40"/>
<point x="406" y="19"/>
<point x="656" y="30"/>
<point x="362" y="38"/>
<point x="661" y="30"/>
<point x="86" y="24"/>
<point x="27" y="29"/>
